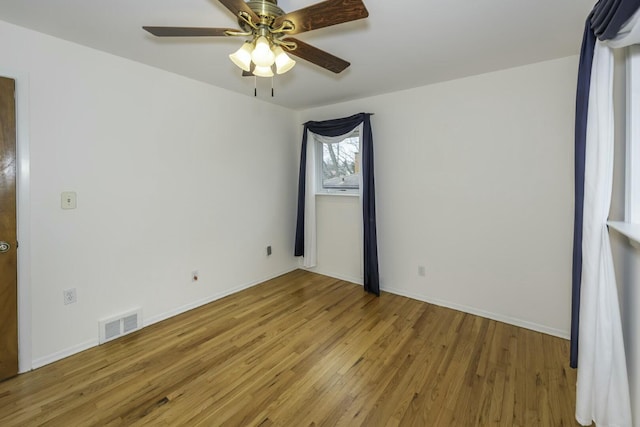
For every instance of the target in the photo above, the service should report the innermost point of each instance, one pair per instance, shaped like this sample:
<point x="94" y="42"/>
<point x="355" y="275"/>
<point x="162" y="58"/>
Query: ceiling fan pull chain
<point x="255" y="86"/>
<point x="272" y="86"/>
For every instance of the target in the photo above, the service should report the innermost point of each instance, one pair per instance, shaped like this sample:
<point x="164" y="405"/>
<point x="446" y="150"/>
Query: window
<point x="338" y="164"/>
<point x="632" y="184"/>
<point x="630" y="227"/>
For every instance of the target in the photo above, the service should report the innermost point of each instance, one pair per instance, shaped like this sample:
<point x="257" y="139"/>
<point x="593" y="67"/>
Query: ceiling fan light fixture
<point x="267" y="31"/>
<point x="261" y="71"/>
<point x="283" y="62"/>
<point x="242" y="57"/>
<point x="262" y="55"/>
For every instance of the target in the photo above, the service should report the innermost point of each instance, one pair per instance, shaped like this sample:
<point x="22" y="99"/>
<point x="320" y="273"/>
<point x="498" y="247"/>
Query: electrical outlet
<point x="68" y="200"/>
<point x="195" y="276"/>
<point x="422" y="271"/>
<point x="268" y="250"/>
<point x="69" y="296"/>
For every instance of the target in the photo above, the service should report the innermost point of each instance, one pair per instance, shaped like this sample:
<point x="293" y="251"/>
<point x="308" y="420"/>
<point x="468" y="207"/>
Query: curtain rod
<point x="371" y="114"/>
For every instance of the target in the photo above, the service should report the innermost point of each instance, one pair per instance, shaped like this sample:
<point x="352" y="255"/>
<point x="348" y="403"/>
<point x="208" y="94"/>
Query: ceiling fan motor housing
<point x="267" y="10"/>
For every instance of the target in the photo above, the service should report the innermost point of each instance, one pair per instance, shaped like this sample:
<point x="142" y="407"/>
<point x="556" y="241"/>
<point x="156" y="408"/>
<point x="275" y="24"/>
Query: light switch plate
<point x="68" y="200"/>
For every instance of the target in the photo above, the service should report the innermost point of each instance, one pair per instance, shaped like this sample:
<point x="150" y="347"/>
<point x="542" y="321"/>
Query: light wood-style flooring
<point x="306" y="350"/>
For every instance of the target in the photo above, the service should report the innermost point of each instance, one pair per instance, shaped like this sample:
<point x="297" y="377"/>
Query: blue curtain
<point x="604" y="22"/>
<point x="335" y="128"/>
<point x="582" y="103"/>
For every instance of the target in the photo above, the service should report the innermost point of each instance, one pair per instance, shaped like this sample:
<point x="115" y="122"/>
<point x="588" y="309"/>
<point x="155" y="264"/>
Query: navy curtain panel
<point x="334" y="128"/>
<point x="604" y="22"/>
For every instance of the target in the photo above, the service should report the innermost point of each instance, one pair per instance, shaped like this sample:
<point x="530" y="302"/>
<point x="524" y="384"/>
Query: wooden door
<point x="8" y="233"/>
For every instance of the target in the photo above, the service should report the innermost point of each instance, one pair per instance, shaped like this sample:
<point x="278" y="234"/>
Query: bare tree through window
<point x="341" y="164"/>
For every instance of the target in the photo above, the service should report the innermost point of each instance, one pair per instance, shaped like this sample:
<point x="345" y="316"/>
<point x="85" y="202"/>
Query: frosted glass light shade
<point x="263" y="71"/>
<point x="262" y="55"/>
<point x="242" y="57"/>
<point x="283" y="62"/>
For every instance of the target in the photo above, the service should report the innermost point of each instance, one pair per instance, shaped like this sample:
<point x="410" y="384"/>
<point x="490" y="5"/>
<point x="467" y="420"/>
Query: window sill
<point x="632" y="231"/>
<point x="338" y="193"/>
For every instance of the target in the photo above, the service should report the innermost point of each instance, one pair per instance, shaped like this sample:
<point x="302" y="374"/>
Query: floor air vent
<point x="117" y="326"/>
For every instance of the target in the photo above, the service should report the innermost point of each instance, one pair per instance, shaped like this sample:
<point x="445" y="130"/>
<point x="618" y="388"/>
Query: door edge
<point x="23" y="191"/>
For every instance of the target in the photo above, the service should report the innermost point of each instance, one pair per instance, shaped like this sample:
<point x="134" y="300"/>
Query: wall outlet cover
<point x="68" y="200"/>
<point x="69" y="296"/>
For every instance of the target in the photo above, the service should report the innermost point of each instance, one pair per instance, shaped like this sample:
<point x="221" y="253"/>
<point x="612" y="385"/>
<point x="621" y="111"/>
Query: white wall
<point x="339" y="237"/>
<point x="172" y="175"/>
<point x="475" y="182"/>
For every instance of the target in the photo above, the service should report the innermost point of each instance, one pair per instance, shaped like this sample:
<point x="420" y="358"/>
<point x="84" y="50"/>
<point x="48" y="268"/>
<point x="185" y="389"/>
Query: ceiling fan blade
<point x="237" y="6"/>
<point x="187" y="31"/>
<point x="324" y="14"/>
<point x="247" y="73"/>
<point x="317" y="56"/>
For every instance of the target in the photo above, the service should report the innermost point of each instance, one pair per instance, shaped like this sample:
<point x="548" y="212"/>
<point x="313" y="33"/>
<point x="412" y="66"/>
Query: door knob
<point x="4" y="247"/>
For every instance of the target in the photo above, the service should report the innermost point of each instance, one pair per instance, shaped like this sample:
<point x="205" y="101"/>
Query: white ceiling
<point x="403" y="44"/>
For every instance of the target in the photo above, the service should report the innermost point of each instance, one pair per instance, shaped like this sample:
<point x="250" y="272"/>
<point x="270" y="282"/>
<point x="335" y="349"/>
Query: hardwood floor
<point x="306" y="350"/>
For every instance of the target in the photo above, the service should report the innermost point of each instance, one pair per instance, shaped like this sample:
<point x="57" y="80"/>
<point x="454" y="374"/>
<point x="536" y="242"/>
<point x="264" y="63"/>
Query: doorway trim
<point x="23" y="191"/>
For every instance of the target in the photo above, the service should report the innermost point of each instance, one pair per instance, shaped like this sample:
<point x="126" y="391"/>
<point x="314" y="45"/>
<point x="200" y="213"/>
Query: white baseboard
<point x="448" y="304"/>
<point x="356" y="280"/>
<point x="45" y="360"/>
<point x="168" y="314"/>
<point x="59" y="355"/>
<point x="482" y="313"/>
<point x="62" y="354"/>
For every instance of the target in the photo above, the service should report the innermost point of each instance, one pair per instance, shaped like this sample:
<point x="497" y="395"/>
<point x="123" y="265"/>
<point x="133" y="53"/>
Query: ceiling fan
<point x="268" y="29"/>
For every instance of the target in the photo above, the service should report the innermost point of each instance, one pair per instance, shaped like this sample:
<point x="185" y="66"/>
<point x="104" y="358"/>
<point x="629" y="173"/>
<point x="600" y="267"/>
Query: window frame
<point x="630" y="227"/>
<point x="319" y="152"/>
<point x="632" y="154"/>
